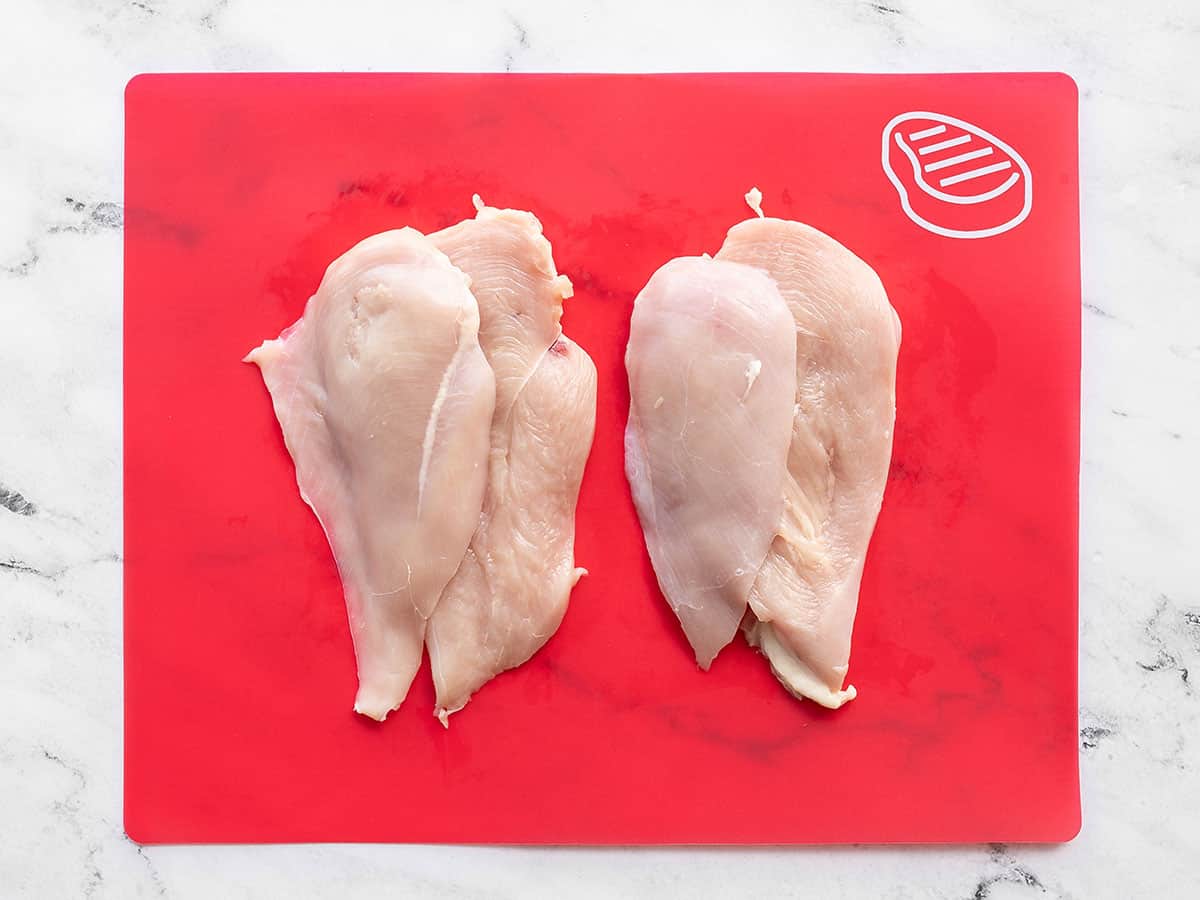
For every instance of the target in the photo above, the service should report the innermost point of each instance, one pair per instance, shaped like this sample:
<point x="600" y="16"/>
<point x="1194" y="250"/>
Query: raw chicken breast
<point x="847" y="340"/>
<point x="385" y="400"/>
<point x="712" y="381"/>
<point x="511" y="590"/>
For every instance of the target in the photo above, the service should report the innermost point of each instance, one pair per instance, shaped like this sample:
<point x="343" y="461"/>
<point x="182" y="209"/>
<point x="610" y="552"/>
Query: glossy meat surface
<point x="805" y="597"/>
<point x="712" y="379"/>
<point x="385" y="400"/>
<point x="511" y="590"/>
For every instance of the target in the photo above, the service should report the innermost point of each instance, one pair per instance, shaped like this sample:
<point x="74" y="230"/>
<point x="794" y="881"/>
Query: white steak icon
<point x="954" y="178"/>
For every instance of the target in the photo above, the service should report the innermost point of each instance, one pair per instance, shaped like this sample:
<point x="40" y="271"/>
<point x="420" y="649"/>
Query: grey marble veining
<point x="63" y="64"/>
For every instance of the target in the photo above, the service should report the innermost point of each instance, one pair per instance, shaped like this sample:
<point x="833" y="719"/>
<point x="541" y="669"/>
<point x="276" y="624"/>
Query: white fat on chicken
<point x="385" y="400"/>
<point x="511" y="590"/>
<point x="805" y="595"/>
<point x="712" y="378"/>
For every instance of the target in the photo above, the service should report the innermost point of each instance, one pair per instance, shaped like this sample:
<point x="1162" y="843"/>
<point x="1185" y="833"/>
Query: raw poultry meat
<point x="847" y="340"/>
<point x="712" y="381"/>
<point x="511" y="590"/>
<point x="385" y="400"/>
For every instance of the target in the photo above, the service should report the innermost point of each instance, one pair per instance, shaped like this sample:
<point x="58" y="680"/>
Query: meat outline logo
<point x="940" y="142"/>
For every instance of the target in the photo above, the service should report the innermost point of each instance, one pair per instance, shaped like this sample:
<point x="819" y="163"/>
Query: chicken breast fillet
<point x="385" y="400"/>
<point x="805" y="596"/>
<point x="511" y="591"/>
<point x="712" y="381"/>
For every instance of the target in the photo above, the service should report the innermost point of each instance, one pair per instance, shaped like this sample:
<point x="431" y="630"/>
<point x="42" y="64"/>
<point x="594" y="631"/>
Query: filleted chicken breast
<point x="805" y="595"/>
<point x="712" y="381"/>
<point x="385" y="400"/>
<point x="511" y="591"/>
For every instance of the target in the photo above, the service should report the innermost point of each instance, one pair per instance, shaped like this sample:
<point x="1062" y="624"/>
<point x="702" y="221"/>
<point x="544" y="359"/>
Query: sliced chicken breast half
<point x="511" y="591"/>
<point x="712" y="382"/>
<point x="385" y="400"/>
<point x="847" y="340"/>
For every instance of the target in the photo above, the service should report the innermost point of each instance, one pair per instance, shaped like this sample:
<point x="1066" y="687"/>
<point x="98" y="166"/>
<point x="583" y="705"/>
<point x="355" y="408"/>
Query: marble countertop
<point x="63" y="64"/>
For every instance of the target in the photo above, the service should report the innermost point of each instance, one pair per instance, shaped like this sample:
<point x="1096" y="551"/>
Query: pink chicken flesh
<point x="385" y="400"/>
<point x="511" y="591"/>
<point x="712" y="379"/>
<point x="805" y="597"/>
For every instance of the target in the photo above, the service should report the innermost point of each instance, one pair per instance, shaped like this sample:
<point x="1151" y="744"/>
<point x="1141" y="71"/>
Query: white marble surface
<point x="63" y="64"/>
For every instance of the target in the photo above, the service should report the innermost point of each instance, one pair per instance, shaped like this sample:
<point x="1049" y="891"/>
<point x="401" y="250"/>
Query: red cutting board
<point x="239" y="673"/>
